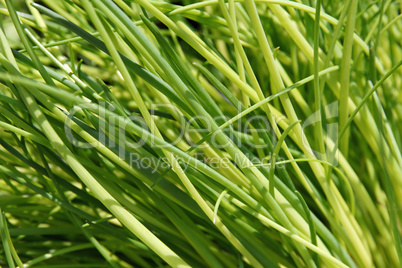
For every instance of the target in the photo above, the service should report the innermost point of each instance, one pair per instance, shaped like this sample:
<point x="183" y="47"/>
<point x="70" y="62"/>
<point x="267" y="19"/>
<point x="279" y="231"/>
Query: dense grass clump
<point x="140" y="133"/>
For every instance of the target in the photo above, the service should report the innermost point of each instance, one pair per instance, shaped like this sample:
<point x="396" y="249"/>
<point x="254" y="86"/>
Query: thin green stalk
<point x="317" y="90"/>
<point x="10" y="252"/>
<point x="345" y="74"/>
<point x="27" y="45"/>
<point x="392" y="201"/>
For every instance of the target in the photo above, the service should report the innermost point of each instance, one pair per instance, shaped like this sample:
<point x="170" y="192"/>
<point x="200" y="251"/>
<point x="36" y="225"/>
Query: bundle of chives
<point x="209" y="134"/>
